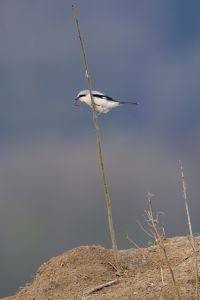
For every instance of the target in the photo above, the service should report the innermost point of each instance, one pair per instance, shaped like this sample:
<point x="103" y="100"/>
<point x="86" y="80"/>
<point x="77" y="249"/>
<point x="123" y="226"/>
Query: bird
<point x="102" y="103"/>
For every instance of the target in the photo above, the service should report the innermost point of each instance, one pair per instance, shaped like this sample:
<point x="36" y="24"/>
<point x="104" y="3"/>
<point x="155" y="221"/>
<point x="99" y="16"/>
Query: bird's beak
<point x="76" y="101"/>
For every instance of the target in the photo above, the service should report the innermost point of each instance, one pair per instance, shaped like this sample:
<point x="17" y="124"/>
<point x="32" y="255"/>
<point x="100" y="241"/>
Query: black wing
<point x="104" y="97"/>
<point x="113" y="100"/>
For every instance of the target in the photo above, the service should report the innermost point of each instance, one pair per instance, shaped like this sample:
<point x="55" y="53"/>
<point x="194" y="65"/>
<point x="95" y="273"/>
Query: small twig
<point x="160" y="239"/>
<point x="162" y="276"/>
<point x="142" y="227"/>
<point x="163" y="284"/>
<point x="132" y="241"/>
<point x="191" y="236"/>
<point x="100" y="287"/>
<point x="114" y="267"/>
<point x="136" y="245"/>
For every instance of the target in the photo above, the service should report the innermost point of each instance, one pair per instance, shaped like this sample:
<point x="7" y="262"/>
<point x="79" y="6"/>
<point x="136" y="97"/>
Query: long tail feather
<point x="129" y="102"/>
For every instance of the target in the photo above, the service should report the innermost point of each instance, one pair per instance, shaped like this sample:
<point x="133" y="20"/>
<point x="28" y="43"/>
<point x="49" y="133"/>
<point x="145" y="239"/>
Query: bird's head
<point x="81" y="96"/>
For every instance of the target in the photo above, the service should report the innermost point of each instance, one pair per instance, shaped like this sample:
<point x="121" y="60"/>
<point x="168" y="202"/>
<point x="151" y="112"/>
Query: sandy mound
<point x="88" y="273"/>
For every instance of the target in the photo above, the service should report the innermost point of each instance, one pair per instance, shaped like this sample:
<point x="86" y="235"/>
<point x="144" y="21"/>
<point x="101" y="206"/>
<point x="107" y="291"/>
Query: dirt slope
<point x="144" y="274"/>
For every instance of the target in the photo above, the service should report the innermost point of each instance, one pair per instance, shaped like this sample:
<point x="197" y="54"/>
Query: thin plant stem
<point x="192" y="239"/>
<point x="154" y="223"/>
<point x="185" y="197"/>
<point x="99" y="144"/>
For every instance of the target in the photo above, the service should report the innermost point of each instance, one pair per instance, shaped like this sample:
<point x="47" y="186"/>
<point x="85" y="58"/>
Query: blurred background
<point x="51" y="197"/>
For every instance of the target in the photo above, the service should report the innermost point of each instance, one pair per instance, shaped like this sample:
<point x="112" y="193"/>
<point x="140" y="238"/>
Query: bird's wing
<point x="102" y="96"/>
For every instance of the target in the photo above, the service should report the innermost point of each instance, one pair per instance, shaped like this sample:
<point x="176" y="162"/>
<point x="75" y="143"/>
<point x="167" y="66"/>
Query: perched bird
<point x="103" y="103"/>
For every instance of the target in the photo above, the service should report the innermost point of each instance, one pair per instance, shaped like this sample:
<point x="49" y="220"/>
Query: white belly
<point x="101" y="105"/>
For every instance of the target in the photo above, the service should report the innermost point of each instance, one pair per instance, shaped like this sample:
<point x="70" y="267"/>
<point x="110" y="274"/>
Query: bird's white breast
<point x="101" y="105"/>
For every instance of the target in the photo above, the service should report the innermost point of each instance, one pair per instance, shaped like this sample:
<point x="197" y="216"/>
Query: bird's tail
<point x="129" y="103"/>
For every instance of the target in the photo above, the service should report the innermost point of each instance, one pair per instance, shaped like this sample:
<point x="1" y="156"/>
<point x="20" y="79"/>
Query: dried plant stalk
<point x="192" y="239"/>
<point x="99" y="145"/>
<point x="158" y="234"/>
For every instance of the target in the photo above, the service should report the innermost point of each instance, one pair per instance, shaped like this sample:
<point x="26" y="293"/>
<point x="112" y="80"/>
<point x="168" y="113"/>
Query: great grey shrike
<point x="102" y="103"/>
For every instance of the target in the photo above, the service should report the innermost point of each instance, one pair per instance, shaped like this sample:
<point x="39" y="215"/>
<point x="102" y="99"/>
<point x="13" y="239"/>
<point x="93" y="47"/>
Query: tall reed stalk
<point x="99" y="144"/>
